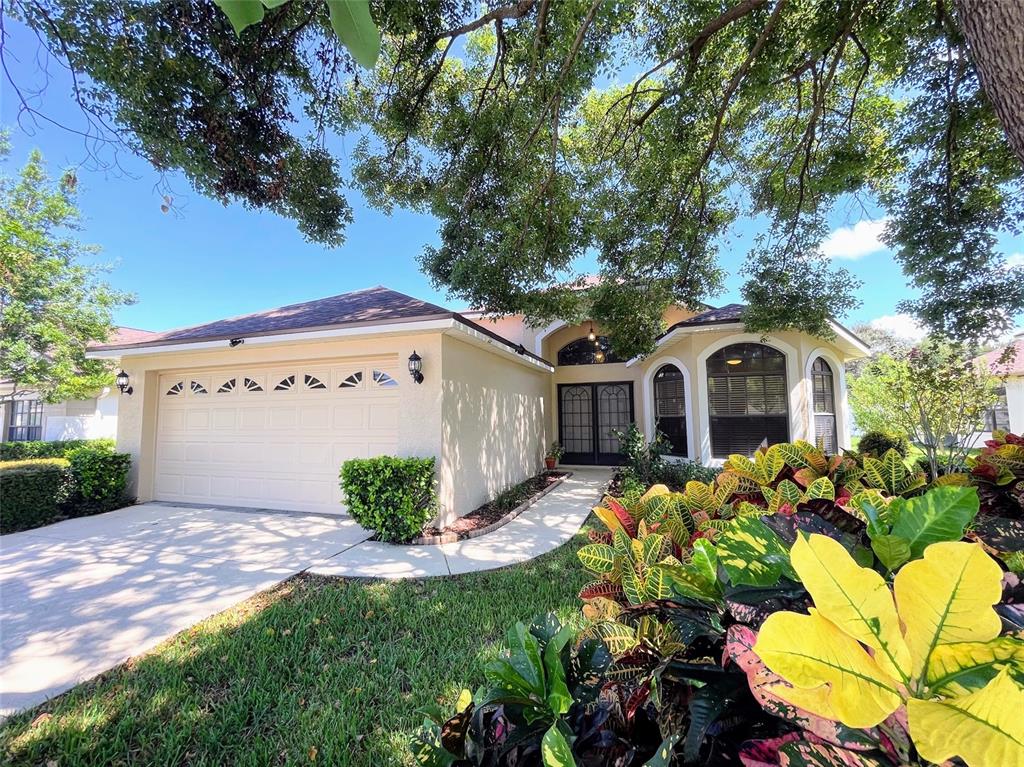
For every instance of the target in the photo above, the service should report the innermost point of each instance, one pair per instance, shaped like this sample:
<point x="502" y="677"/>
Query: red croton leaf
<point x="604" y="589"/>
<point x="624" y="517"/>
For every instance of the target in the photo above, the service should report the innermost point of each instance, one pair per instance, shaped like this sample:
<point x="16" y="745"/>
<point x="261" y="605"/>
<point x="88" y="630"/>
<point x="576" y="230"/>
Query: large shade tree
<point x="53" y="303"/>
<point x="539" y="132"/>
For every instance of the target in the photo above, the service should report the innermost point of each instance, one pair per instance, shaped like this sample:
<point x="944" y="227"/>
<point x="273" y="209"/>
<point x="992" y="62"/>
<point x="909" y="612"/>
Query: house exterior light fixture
<point x="599" y="356"/>
<point x="121" y="379"/>
<point x="591" y="336"/>
<point x="416" y="367"/>
<point x="236" y="342"/>
<point x="734" y="361"/>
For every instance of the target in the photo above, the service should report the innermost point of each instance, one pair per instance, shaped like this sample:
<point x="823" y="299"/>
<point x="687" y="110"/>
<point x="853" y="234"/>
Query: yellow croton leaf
<point x="831" y="674"/>
<point x="946" y="597"/>
<point x="854" y="598"/>
<point x="962" y="667"/>
<point x="607" y="516"/>
<point x="985" y="728"/>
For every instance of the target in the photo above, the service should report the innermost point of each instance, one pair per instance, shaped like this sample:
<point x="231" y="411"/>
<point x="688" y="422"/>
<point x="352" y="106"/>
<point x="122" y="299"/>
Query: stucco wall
<point x="419" y="406"/>
<point x="1015" y="403"/>
<point x="690" y="352"/>
<point x="493" y="425"/>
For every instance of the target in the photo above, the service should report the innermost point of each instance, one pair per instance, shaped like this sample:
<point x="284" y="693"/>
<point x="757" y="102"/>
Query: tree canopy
<point x="541" y="132"/>
<point x="51" y="305"/>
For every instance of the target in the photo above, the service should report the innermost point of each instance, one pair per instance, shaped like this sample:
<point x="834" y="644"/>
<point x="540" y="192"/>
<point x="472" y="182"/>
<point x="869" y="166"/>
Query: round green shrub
<point x="394" y="496"/>
<point x="878" y="443"/>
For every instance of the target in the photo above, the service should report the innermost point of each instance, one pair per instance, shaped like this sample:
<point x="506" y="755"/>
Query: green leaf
<point x="941" y="514"/>
<point x="525" y="658"/>
<point x="241" y="13"/>
<point x="558" y="698"/>
<point x="891" y="550"/>
<point x="353" y="24"/>
<point x="821" y="488"/>
<point x="633" y="584"/>
<point x="597" y="557"/>
<point x="555" y="750"/>
<point x="752" y="554"/>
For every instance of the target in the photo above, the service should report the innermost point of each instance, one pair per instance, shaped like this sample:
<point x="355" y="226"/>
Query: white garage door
<point x="272" y="437"/>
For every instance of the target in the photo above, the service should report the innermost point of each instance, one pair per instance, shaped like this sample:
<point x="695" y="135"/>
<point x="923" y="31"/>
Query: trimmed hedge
<point x="101" y="479"/>
<point x="394" y="496"/>
<point x="878" y="443"/>
<point x="20" y="451"/>
<point x="33" y="492"/>
<point x="40" y="491"/>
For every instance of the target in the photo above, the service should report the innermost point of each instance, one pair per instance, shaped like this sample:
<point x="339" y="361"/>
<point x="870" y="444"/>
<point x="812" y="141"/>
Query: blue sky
<point x="206" y="261"/>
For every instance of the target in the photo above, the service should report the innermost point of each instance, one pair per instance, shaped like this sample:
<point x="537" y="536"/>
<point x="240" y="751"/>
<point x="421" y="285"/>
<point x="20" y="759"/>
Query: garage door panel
<point x="225" y="418"/>
<point x="252" y="417"/>
<point x="249" y="443"/>
<point x="350" y="416"/>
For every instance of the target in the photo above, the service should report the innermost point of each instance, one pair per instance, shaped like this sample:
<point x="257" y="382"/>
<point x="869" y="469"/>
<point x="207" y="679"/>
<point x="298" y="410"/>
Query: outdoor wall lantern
<point x="416" y="367"/>
<point x="121" y="379"/>
<point x="236" y="342"/>
<point x="591" y="336"/>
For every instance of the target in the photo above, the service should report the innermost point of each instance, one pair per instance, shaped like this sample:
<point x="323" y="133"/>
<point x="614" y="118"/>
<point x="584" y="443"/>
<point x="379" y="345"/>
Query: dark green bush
<point x="33" y="492"/>
<point x="20" y="451"/>
<point x="100" y="479"/>
<point x="878" y="443"/>
<point x="394" y="496"/>
<point x="645" y="463"/>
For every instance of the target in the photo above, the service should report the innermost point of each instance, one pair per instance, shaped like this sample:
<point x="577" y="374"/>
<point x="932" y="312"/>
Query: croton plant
<point x="801" y="609"/>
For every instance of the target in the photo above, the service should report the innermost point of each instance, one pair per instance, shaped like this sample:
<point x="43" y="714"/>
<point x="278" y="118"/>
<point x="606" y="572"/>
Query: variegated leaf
<point x="597" y="557"/>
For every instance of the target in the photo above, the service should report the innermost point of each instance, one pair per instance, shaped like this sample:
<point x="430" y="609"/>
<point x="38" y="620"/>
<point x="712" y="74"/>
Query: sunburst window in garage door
<point x="177" y="389"/>
<point x="198" y="388"/>
<point x="285" y="384"/>
<point x="253" y="384"/>
<point x="353" y="381"/>
<point x="383" y="379"/>
<point x="312" y="382"/>
<point x="227" y="387"/>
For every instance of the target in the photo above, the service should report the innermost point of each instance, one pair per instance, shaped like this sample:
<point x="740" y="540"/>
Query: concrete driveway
<point x="81" y="596"/>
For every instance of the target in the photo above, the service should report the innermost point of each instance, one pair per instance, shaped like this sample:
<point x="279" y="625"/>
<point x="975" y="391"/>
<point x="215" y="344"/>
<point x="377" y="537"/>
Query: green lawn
<point x="316" y="671"/>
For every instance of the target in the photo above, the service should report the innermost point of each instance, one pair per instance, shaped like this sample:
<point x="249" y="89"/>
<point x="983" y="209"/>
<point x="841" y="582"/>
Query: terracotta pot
<point x="550" y="463"/>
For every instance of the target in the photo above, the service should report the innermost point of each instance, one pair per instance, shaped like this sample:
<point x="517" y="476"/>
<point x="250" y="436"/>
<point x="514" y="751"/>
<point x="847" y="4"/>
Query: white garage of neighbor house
<point x="261" y="410"/>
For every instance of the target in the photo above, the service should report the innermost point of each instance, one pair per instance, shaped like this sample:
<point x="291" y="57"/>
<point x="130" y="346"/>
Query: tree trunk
<point x="995" y="33"/>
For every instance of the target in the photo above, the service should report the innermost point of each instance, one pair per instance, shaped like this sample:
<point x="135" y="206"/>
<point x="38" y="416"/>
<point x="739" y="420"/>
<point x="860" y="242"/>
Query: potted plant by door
<point x="555" y="453"/>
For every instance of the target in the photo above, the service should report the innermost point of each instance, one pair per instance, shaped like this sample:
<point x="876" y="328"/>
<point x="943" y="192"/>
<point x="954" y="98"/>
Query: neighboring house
<point x="261" y="410"/>
<point x="27" y="417"/>
<point x="1008" y="412"/>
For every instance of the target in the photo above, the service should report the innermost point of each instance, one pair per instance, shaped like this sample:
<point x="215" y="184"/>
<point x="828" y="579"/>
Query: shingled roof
<point x="373" y="306"/>
<point x="360" y="308"/>
<point x="727" y="313"/>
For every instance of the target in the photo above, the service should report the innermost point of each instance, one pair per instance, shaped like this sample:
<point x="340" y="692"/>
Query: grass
<point x="315" y="671"/>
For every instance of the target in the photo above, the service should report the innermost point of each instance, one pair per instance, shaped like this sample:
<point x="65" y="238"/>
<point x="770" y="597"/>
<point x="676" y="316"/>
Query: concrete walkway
<point x="546" y="525"/>
<point x="81" y="596"/>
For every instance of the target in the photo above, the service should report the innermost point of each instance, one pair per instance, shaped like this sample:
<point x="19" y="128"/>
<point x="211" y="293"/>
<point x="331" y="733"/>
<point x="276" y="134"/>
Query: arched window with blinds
<point x="670" y="407"/>
<point x="748" y="399"/>
<point x="823" y="386"/>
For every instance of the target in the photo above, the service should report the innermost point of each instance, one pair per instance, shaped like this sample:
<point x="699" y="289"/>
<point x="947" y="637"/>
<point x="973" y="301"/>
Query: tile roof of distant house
<point x="369" y="307"/>
<point x="1013" y="367"/>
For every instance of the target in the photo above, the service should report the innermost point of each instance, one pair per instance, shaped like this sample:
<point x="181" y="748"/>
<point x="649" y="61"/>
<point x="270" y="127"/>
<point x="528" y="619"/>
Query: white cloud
<point x="857" y="241"/>
<point x="902" y="325"/>
<point x="1017" y="259"/>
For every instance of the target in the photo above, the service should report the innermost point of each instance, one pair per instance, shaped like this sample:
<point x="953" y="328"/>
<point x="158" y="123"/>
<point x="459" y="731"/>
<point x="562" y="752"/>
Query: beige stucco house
<point x="261" y="410"/>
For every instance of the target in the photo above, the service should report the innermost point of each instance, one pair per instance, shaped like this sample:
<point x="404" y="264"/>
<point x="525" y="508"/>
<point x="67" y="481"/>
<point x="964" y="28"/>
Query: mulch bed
<point x="491" y="512"/>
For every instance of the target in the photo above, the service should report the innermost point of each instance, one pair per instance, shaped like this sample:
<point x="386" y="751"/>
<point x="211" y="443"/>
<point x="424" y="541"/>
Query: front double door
<point x="589" y="415"/>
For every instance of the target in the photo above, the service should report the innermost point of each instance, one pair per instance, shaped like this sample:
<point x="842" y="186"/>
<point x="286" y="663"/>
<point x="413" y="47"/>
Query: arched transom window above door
<point x="670" y="407"/>
<point x="583" y="351"/>
<point x="747" y="398"/>
<point x="824" y="391"/>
